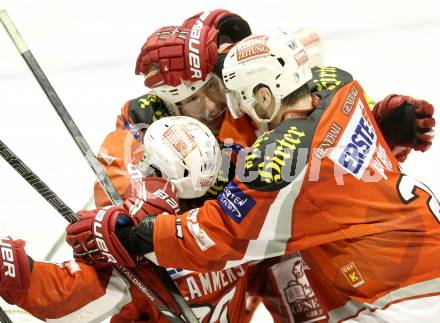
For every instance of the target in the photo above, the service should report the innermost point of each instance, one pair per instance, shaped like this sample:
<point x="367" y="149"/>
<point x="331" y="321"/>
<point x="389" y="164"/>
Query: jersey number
<point x="407" y="188"/>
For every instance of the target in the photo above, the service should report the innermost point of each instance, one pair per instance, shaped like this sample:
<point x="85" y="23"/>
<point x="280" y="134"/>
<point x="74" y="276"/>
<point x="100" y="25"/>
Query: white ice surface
<point x="88" y="51"/>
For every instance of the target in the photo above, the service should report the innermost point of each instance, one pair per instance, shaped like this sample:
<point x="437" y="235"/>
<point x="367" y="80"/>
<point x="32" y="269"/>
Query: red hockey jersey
<point x="329" y="186"/>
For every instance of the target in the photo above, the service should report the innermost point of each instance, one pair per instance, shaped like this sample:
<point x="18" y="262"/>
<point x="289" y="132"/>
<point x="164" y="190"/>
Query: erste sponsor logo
<point x="357" y="145"/>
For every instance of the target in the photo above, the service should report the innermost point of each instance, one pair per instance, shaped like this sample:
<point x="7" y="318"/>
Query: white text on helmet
<point x="253" y="46"/>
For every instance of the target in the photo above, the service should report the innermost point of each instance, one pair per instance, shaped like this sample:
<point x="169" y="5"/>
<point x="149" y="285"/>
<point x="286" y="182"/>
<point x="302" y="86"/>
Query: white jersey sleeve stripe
<point x="117" y="295"/>
<point x="277" y="226"/>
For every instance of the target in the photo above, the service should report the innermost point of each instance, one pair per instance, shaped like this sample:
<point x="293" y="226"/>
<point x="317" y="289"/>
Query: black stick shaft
<point x="42" y="189"/>
<point x="4" y="318"/>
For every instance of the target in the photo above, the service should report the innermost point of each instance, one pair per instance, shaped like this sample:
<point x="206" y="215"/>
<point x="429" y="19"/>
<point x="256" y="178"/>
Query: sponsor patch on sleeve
<point x="200" y="236"/>
<point x="131" y="128"/>
<point x="235" y="202"/>
<point x="357" y="145"/>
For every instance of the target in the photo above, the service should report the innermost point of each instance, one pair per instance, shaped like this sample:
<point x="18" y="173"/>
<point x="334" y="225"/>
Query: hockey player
<point x="355" y="149"/>
<point x="76" y="292"/>
<point x="322" y="180"/>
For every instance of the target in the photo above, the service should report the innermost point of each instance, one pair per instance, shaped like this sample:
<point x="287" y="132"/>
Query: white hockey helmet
<point x="204" y="100"/>
<point x="278" y="61"/>
<point x="174" y="94"/>
<point x="185" y="151"/>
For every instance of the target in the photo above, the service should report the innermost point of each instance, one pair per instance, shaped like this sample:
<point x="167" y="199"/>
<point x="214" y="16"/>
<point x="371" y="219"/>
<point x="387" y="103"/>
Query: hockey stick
<point x="67" y="213"/>
<point x="4" y="318"/>
<point x="87" y="152"/>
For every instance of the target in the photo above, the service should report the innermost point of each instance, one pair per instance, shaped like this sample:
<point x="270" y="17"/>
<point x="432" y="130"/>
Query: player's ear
<point x="264" y="97"/>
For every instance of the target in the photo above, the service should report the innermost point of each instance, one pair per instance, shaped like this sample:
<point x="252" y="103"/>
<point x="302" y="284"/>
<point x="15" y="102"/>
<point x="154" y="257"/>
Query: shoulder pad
<point x="327" y="79"/>
<point x="278" y="156"/>
<point x="147" y="109"/>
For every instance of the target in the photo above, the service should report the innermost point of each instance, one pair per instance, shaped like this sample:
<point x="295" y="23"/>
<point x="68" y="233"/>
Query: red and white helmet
<point x="184" y="151"/>
<point x="278" y="61"/>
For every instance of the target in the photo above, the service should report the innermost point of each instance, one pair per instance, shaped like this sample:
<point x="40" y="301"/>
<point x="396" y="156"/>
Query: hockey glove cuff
<point x="15" y="265"/>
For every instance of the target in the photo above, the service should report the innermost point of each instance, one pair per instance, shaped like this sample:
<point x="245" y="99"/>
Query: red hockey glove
<point x="189" y="52"/>
<point x="153" y="195"/>
<point x="162" y="58"/>
<point x="406" y="124"/>
<point x="95" y="239"/>
<point x="15" y="265"/>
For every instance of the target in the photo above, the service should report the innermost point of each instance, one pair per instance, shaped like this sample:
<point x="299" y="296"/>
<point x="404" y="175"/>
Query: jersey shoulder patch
<point x="326" y="80"/>
<point x="147" y="109"/>
<point x="278" y="156"/>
